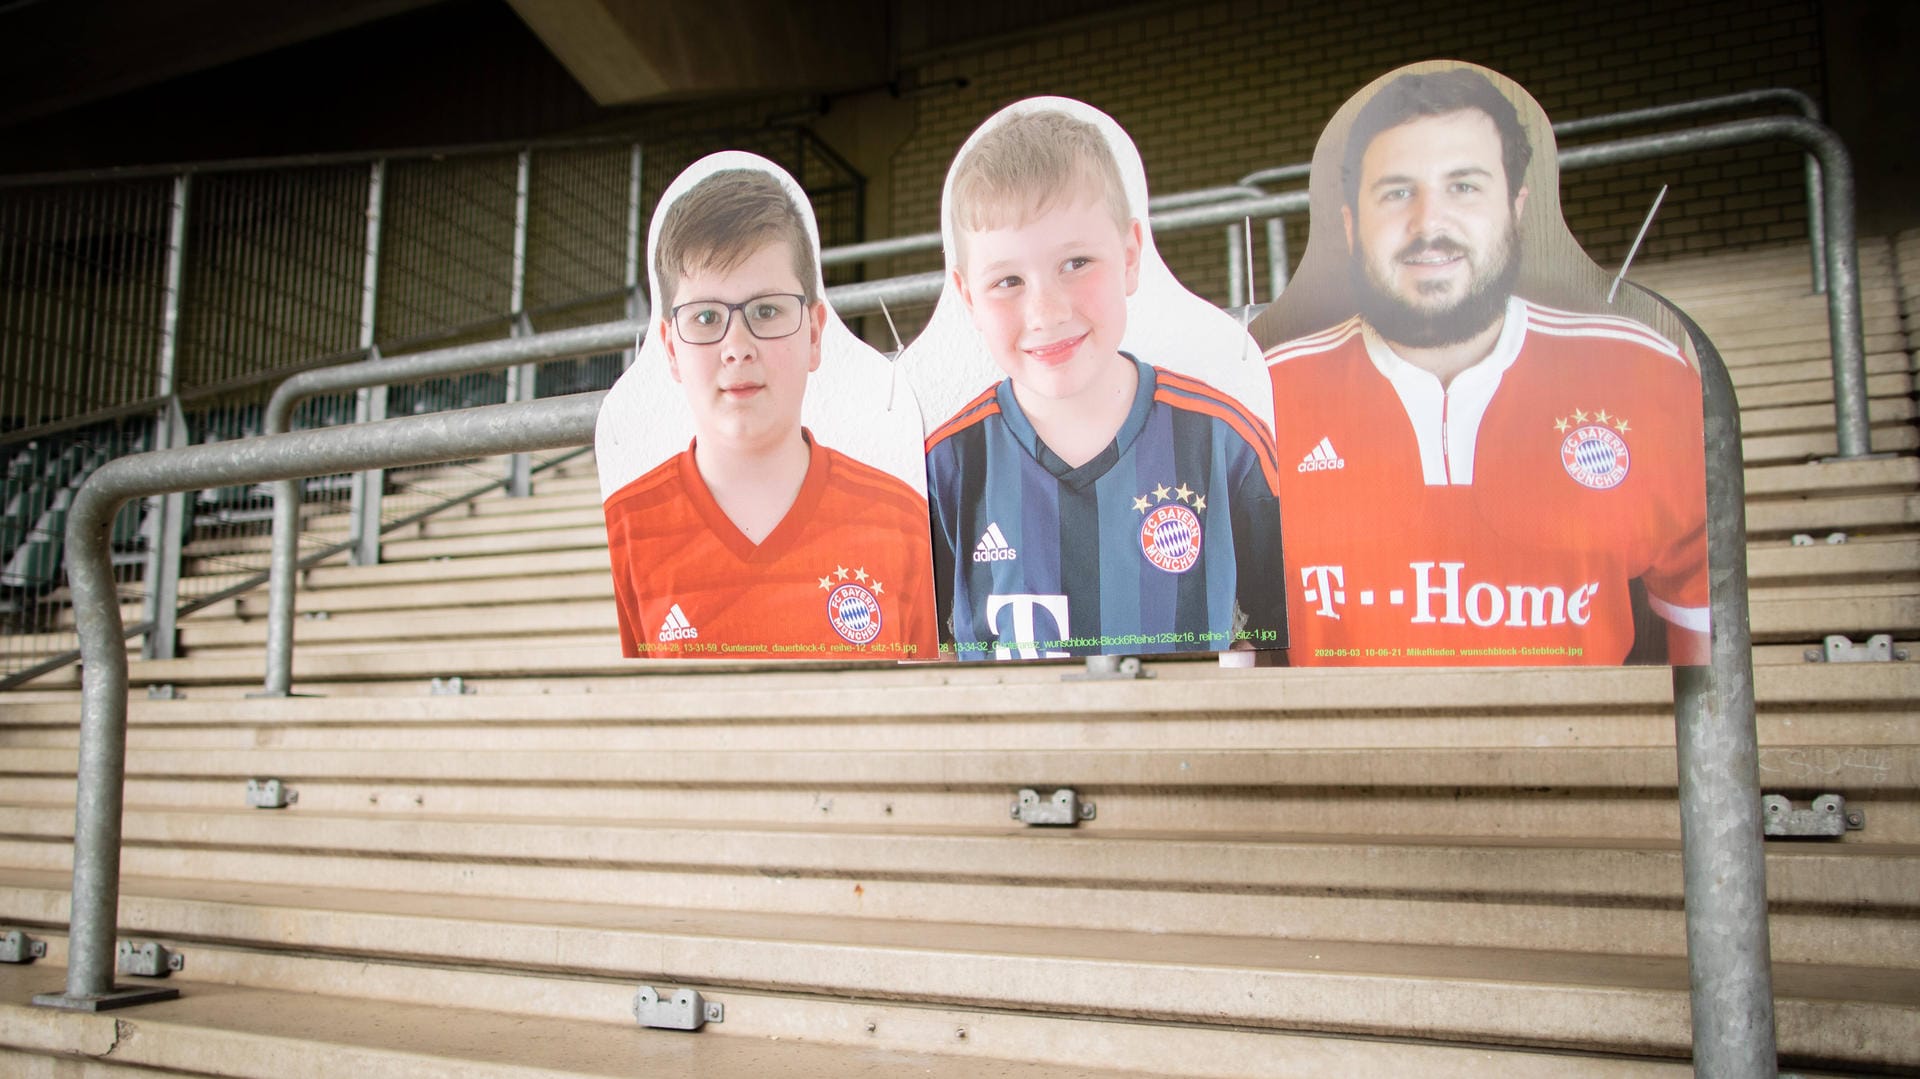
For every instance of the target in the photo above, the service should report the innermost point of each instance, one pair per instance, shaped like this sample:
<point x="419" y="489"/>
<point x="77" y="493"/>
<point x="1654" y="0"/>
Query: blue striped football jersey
<point x="1167" y="541"/>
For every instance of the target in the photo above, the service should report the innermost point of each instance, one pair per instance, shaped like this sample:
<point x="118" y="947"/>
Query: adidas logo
<point x="1322" y="459"/>
<point x="993" y="546"/>
<point x="677" y="627"/>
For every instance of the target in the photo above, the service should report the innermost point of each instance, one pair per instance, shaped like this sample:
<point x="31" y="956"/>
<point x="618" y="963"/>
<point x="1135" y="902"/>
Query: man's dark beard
<point x="1412" y="327"/>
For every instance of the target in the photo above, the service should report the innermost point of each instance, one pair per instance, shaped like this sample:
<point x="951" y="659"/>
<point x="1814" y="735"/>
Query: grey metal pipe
<point x="443" y="436"/>
<point x="1842" y="251"/>
<point x="1778" y="95"/>
<point x="163" y="558"/>
<point x="1276" y="256"/>
<point x="1236" y="270"/>
<point x="1279" y="174"/>
<point x="520" y="380"/>
<point x="1816" y="197"/>
<point x="487" y="355"/>
<point x="1729" y="959"/>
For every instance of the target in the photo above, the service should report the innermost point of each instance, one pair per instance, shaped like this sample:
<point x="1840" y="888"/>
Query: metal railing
<point x="1718" y="784"/>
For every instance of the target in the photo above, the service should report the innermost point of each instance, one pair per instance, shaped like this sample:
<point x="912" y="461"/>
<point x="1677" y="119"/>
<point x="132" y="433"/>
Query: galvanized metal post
<point x="637" y="306"/>
<point x="99" y="794"/>
<point x="1236" y="269"/>
<point x="521" y="385"/>
<point x="458" y="360"/>
<point x="369" y="486"/>
<point x="1277" y="269"/>
<point x="1729" y="958"/>
<point x="1816" y="221"/>
<point x="167" y="514"/>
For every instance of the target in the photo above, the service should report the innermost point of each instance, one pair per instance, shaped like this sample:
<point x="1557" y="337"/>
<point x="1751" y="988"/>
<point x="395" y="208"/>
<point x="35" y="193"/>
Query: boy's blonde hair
<point x="1028" y="164"/>
<point x="722" y="221"/>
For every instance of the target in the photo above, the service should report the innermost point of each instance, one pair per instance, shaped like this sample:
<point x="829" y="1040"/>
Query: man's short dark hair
<point x="1421" y="94"/>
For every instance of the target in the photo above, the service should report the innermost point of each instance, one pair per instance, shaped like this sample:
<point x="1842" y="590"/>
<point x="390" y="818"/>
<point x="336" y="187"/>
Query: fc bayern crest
<point x="1595" y="456"/>
<point x="1170" y="538"/>
<point x="854" y="613"/>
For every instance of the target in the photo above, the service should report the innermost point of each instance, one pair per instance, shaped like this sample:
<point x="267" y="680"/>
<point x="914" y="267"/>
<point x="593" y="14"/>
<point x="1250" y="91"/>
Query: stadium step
<point x="375" y="1020"/>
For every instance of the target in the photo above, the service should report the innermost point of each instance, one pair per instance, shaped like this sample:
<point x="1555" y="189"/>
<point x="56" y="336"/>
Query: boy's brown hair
<point x="1026" y="165"/>
<point x="722" y="221"/>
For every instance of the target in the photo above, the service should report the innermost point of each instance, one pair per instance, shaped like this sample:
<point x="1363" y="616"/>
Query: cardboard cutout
<point x="1100" y="464"/>
<point x="764" y="495"/>
<point x="1482" y="461"/>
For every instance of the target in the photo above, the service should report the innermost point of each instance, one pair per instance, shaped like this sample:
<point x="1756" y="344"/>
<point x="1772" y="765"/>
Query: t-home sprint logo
<point x="1440" y="595"/>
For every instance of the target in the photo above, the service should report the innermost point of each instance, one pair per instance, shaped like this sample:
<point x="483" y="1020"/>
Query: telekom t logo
<point x="1023" y="641"/>
<point x="1325" y="585"/>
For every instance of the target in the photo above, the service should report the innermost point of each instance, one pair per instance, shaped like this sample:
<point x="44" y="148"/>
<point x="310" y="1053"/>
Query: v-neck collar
<point x="785" y="534"/>
<point x="1102" y="462"/>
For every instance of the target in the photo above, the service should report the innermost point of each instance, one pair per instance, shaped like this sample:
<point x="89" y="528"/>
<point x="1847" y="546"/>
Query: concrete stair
<point x="1290" y="873"/>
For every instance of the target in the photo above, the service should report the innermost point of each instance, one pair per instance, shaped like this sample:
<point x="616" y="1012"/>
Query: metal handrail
<point x="1718" y="781"/>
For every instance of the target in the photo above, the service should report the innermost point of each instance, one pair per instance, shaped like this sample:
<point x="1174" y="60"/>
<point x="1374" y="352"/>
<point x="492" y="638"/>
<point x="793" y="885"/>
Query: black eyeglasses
<point x="769" y="317"/>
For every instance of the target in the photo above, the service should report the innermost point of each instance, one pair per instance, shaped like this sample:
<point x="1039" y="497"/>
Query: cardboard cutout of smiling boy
<point x="1483" y="462"/>
<point x="762" y="487"/>
<point x="1100" y="466"/>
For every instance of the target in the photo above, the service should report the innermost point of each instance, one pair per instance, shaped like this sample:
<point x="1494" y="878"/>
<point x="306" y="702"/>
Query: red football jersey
<point x="846" y="574"/>
<point x="1497" y="520"/>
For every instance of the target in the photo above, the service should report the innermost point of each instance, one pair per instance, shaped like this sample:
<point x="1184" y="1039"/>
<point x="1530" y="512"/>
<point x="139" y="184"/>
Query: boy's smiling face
<point x="743" y="391"/>
<point x="1049" y="296"/>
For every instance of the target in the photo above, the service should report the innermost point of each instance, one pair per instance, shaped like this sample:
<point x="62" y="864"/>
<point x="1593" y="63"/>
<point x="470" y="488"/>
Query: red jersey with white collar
<point x="846" y="574"/>
<point x="1497" y="520"/>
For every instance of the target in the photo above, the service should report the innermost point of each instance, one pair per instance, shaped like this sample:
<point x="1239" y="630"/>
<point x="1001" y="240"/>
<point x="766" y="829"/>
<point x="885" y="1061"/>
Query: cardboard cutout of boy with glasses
<point x="755" y="539"/>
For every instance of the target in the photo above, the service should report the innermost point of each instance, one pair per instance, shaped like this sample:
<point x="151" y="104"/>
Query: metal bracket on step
<point x="1838" y="649"/>
<point x="165" y="692"/>
<point x="17" y="947"/>
<point x="148" y="959"/>
<point x="1110" y="669"/>
<point x="1829" y="818"/>
<point x="1834" y="539"/>
<point x="449" y="687"/>
<point x="270" y="794"/>
<point x="1061" y="809"/>
<point x="684" y="1010"/>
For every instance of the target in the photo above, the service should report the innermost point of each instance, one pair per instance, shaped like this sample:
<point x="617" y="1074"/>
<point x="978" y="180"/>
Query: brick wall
<point x="1213" y="91"/>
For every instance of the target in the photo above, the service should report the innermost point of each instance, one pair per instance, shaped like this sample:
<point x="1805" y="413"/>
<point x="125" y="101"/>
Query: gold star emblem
<point x="1185" y="493"/>
<point x="1200" y="503"/>
<point x="860" y="575"/>
<point x="840" y="572"/>
<point x="878" y="588"/>
<point x="1620" y="425"/>
<point x="827" y="581"/>
<point x="1561" y="425"/>
<point x="1579" y="416"/>
<point x="1602" y="416"/>
<point x="1140" y="503"/>
<point x="1160" y="493"/>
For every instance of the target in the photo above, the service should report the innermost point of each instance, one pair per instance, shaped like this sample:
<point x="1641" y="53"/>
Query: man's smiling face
<point x="1433" y="230"/>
